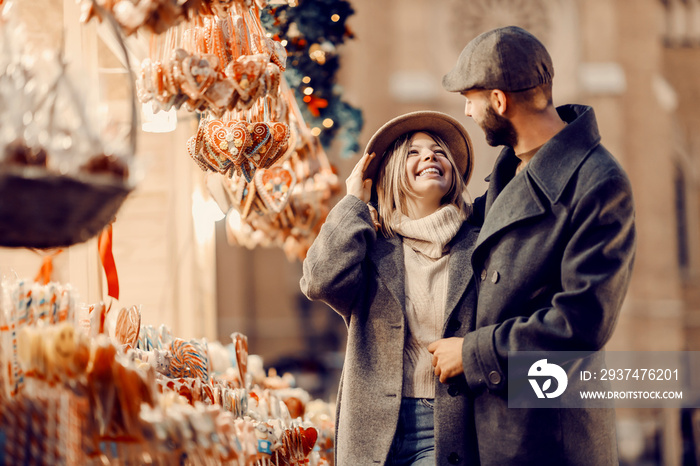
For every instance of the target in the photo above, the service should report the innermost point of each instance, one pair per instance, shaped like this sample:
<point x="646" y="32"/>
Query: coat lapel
<point x="504" y="169"/>
<point x="387" y="257"/>
<point x="515" y="203"/>
<point x="511" y="199"/>
<point x="460" y="269"/>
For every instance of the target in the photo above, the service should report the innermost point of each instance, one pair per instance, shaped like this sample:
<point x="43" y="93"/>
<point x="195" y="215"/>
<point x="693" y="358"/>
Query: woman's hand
<point x="356" y="183"/>
<point x="447" y="357"/>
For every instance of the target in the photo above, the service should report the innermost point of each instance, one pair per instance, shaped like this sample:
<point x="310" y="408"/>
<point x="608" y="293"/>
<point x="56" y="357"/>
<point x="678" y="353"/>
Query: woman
<point x="403" y="284"/>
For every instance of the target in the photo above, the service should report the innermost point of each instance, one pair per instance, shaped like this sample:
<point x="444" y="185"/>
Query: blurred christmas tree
<point x="311" y="31"/>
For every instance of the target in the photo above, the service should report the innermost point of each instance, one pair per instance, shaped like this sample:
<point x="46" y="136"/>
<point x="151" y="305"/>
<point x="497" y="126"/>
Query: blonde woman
<point x="401" y="278"/>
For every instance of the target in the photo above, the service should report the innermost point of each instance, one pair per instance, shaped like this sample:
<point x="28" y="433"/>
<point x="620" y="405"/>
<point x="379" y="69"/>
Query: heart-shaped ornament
<point x="240" y="138"/>
<point x="279" y="53"/>
<point x="226" y="138"/>
<point x="199" y="74"/>
<point x="273" y="77"/>
<point x="308" y="439"/>
<point x="238" y="38"/>
<point x="274" y="186"/>
<point x="280" y="138"/>
<point x="259" y="140"/>
<point x="247" y="72"/>
<point x="248" y="170"/>
<point x="199" y="160"/>
<point x="211" y="157"/>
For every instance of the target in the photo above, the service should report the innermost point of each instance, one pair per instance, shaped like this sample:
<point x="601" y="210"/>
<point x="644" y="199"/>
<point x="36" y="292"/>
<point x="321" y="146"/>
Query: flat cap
<point x="509" y="58"/>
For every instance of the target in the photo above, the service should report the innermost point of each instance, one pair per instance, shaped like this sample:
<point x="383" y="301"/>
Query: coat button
<point x="453" y="390"/>
<point x="483" y="275"/>
<point x="453" y="458"/>
<point x="494" y="377"/>
<point x="454" y="325"/>
<point x="495" y="276"/>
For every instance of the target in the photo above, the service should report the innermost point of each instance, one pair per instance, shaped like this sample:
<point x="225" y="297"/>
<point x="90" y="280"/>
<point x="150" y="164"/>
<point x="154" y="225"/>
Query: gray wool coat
<point x="553" y="262"/>
<point x="360" y="274"/>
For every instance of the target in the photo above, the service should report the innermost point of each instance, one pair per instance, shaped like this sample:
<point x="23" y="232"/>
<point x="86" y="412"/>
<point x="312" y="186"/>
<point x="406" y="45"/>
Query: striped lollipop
<point x="128" y="326"/>
<point x="189" y="359"/>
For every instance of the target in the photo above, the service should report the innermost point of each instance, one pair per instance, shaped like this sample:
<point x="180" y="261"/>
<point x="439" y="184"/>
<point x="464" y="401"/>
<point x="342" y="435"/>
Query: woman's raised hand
<point x="356" y="184"/>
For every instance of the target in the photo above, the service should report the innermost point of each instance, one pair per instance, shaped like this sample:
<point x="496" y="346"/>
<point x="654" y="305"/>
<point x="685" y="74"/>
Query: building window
<point x="681" y="219"/>
<point x="681" y="23"/>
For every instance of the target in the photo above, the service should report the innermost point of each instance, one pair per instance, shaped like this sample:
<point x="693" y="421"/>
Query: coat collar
<point x="550" y="170"/>
<point x="388" y="258"/>
<point x="555" y="163"/>
<point x="459" y="266"/>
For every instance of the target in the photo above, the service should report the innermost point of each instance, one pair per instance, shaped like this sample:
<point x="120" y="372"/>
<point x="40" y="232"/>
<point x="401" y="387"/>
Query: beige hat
<point x="450" y="130"/>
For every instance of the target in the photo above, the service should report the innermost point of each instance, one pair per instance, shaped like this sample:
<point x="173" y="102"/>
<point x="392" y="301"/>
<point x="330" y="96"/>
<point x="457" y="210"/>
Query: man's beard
<point x="499" y="130"/>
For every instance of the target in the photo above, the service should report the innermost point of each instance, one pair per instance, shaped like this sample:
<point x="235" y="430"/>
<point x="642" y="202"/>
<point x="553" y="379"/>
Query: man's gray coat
<point x="553" y="262"/>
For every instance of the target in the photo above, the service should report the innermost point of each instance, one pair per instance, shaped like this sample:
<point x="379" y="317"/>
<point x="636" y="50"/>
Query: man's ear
<point x="499" y="101"/>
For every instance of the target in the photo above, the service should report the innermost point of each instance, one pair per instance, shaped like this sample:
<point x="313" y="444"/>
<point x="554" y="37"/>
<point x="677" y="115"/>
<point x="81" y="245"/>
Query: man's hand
<point x="447" y="357"/>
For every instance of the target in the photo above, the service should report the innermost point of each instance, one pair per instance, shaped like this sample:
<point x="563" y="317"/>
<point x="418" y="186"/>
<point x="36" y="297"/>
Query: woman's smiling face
<point x="428" y="169"/>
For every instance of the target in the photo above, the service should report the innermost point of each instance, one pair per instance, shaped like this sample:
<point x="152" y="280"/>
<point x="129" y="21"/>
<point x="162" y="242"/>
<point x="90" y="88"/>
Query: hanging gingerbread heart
<point x="225" y="138"/>
<point x="247" y="73"/>
<point x="215" y="160"/>
<point x="274" y="186"/>
<point x="248" y="170"/>
<point x="196" y="156"/>
<point x="238" y="38"/>
<point x="241" y="140"/>
<point x="235" y="187"/>
<point x="199" y="74"/>
<point x="260" y="138"/>
<point x="219" y="96"/>
<point x="280" y="138"/>
<point x="273" y="77"/>
<point x="279" y="53"/>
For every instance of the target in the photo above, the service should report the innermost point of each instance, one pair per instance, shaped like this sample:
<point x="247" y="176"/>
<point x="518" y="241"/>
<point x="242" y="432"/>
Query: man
<point x="554" y="256"/>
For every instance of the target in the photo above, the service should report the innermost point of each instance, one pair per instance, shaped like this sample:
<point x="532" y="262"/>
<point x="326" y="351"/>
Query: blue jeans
<point x="414" y="441"/>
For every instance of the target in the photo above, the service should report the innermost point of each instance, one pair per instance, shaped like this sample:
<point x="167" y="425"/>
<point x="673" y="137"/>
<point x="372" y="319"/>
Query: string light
<point x="284" y="42"/>
<point x="317" y="54"/>
<point x="315" y="131"/>
<point x="319" y="48"/>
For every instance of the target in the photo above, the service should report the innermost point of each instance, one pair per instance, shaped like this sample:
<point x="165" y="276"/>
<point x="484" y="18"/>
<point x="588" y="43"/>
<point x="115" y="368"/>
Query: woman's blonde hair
<point x="392" y="182"/>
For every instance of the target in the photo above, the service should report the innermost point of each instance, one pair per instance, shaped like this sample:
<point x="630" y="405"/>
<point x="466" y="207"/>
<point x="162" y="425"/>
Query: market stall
<point x="88" y="379"/>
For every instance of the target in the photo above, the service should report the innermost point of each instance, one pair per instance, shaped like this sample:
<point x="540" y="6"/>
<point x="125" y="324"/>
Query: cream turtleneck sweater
<point x="426" y="254"/>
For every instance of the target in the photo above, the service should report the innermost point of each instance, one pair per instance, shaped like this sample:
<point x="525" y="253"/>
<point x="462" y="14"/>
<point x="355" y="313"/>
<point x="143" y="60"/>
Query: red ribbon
<point x="46" y="269"/>
<point x="104" y="244"/>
